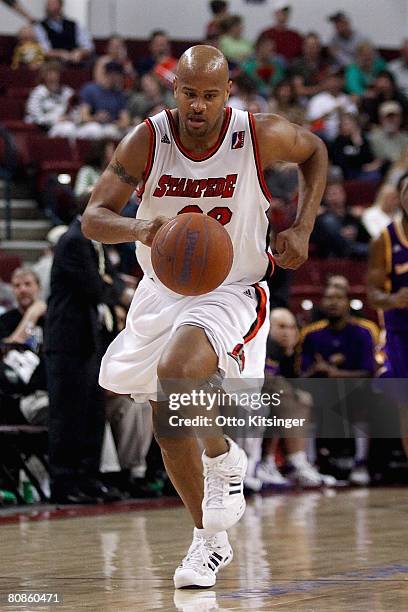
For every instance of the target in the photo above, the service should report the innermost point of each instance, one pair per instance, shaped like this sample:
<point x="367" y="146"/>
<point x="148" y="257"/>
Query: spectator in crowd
<point x="384" y="89"/>
<point x="231" y="42"/>
<point x="310" y="70"/>
<point x="48" y="103"/>
<point x="361" y="73"/>
<point x="345" y="40"/>
<point x="264" y="67"/>
<point x="325" y="108"/>
<point x="337" y="232"/>
<point x="43" y="266"/>
<point x="28" y="53"/>
<point x="288" y="43"/>
<point x="116" y="51"/>
<point x="80" y="322"/>
<point x="22" y="371"/>
<point x="398" y="169"/>
<point x="340" y="346"/>
<point x="280" y="362"/>
<point x="160" y="61"/>
<point x="285" y="102"/>
<point x="104" y="106"/>
<point x="62" y="38"/>
<point x="399" y="68"/>
<point x="219" y="10"/>
<point x="151" y="95"/>
<point x="385" y="209"/>
<point x="351" y="151"/>
<point x="246" y="96"/>
<point x="388" y="140"/>
<point x="99" y="156"/>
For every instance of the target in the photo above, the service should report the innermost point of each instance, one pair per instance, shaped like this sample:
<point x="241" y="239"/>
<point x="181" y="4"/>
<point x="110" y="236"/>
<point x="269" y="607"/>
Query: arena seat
<point x="11" y="109"/>
<point x="17" y="78"/>
<point x="8" y="263"/>
<point x="361" y="193"/>
<point x="76" y="77"/>
<point x="18" y="93"/>
<point x="51" y="155"/>
<point x="7" y="44"/>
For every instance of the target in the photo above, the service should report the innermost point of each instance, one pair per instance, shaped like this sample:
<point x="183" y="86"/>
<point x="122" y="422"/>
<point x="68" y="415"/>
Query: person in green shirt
<point x="364" y="70"/>
<point x="235" y="48"/>
<point x="264" y="67"/>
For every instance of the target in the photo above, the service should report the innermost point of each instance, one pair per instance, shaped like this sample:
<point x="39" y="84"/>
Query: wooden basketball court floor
<point x="315" y="551"/>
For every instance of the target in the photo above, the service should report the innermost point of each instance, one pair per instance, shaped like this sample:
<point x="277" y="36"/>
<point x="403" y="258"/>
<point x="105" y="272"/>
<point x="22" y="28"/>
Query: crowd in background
<point x="347" y="93"/>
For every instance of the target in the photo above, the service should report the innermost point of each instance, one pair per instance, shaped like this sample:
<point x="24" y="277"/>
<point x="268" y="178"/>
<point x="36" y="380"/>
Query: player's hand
<point x="291" y="248"/>
<point x="149" y="229"/>
<point x="400" y="298"/>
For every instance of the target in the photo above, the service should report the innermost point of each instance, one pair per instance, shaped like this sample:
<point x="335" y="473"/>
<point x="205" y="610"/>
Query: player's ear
<point x="228" y="90"/>
<point x="175" y="86"/>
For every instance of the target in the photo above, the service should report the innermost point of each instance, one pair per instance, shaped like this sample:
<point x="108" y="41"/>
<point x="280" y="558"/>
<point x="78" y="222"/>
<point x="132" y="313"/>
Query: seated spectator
<point x="310" y="69"/>
<point x="160" y="61"/>
<point x="362" y="72"/>
<point x="264" y="67"/>
<point x="399" y="68"/>
<point x="231" y="42"/>
<point x="62" y="38"/>
<point x="280" y="362"/>
<point x="22" y="371"/>
<point x="398" y="169"/>
<point x="288" y="43"/>
<point x="219" y="10"/>
<point x="342" y="347"/>
<point x="337" y="232"/>
<point x="116" y="51"/>
<point x="151" y="94"/>
<point x="384" y="89"/>
<point x="48" y="103"/>
<point x="245" y="96"/>
<point x="28" y="52"/>
<point x="388" y="140"/>
<point x="103" y="106"/>
<point x="99" y="156"/>
<point x="285" y="102"/>
<point x="345" y="40"/>
<point x="325" y="108"/>
<point x="385" y="209"/>
<point x="351" y="151"/>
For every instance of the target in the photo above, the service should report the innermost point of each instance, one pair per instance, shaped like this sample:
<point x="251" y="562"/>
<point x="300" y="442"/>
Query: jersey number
<point x="222" y="214"/>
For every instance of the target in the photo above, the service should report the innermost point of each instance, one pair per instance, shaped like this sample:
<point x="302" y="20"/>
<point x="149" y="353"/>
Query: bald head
<point x="283" y="328"/>
<point x="203" y="60"/>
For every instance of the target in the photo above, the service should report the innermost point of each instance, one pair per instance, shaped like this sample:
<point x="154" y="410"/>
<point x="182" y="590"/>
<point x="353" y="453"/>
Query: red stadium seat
<point x="8" y="263"/>
<point x="76" y="77"/>
<point x="11" y="109"/>
<point x="51" y="155"/>
<point x="23" y="77"/>
<point x="7" y="45"/>
<point x="18" y="93"/>
<point x="361" y="193"/>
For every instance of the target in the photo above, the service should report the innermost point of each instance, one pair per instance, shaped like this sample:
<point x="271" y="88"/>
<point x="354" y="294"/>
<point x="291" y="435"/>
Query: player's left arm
<point x="280" y="140"/>
<point x="404" y="196"/>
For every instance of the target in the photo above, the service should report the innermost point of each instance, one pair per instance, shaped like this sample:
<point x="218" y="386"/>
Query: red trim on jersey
<point x="150" y="157"/>
<point x="260" y="314"/>
<point x="207" y="154"/>
<point x="258" y="164"/>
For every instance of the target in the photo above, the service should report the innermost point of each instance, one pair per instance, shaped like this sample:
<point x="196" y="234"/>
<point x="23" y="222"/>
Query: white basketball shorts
<point x="234" y="317"/>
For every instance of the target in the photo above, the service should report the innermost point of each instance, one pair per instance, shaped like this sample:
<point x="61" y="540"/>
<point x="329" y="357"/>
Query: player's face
<point x="200" y="102"/>
<point x="335" y="303"/>
<point x="26" y="290"/>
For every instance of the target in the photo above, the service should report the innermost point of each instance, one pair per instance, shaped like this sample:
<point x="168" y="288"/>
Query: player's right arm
<point x="101" y="220"/>
<point x="377" y="276"/>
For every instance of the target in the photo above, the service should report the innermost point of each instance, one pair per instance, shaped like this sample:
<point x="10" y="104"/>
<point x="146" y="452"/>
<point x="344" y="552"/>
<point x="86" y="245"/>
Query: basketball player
<point x="204" y="157"/>
<point x="388" y="291"/>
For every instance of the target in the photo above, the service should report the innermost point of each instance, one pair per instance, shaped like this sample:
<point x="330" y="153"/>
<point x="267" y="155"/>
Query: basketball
<point x="192" y="254"/>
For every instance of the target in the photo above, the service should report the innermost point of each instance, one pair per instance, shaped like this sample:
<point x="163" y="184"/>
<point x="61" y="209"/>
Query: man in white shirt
<point x="384" y="210"/>
<point x="324" y="109"/>
<point x="345" y="40"/>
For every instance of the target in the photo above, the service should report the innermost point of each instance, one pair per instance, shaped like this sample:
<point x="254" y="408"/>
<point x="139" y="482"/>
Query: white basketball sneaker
<point x="205" y="557"/>
<point x="224" y="501"/>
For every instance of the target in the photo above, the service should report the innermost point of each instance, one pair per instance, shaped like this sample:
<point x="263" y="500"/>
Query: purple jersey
<point x="350" y="348"/>
<point x="396" y="257"/>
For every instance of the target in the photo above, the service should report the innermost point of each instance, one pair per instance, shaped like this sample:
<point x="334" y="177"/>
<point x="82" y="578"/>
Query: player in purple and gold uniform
<point x="388" y="288"/>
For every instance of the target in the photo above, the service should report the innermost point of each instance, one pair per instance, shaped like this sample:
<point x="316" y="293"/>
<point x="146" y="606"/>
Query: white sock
<point x="270" y="460"/>
<point x="361" y="439"/>
<point x="298" y="458"/>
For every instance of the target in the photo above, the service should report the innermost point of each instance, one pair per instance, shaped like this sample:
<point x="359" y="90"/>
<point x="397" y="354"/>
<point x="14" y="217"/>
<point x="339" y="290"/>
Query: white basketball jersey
<point x="225" y="182"/>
